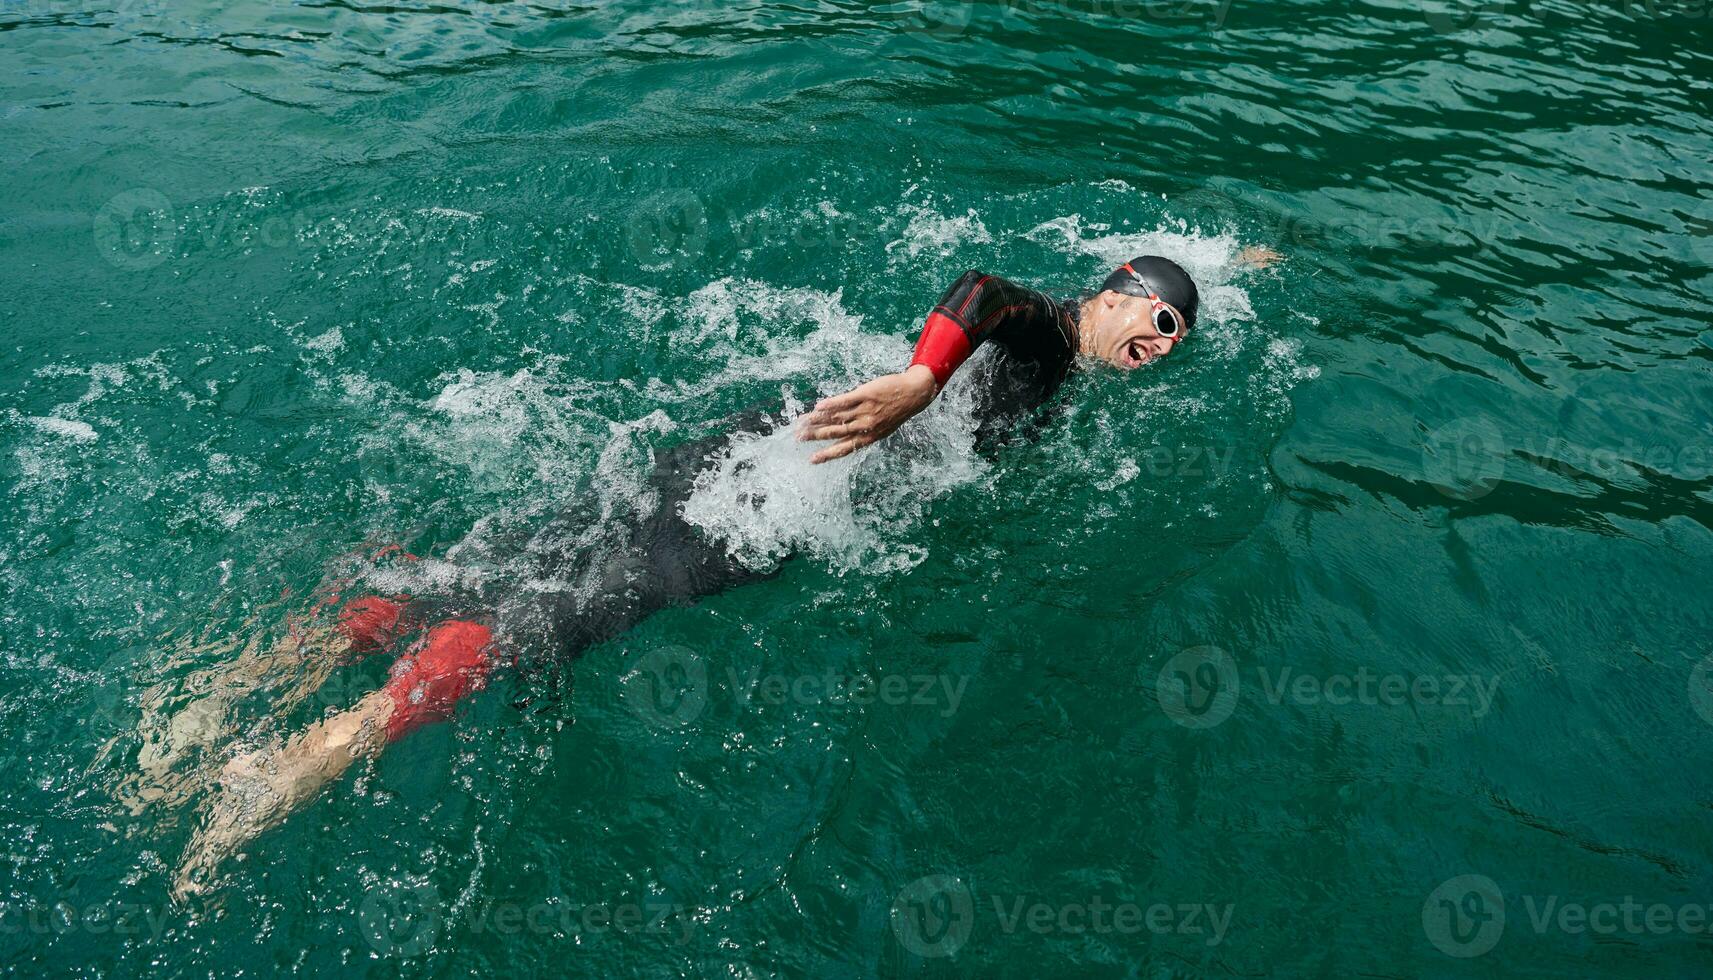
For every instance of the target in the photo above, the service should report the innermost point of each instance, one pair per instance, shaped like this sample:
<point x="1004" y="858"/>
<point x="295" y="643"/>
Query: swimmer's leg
<point x="308" y="653"/>
<point x="259" y="790"/>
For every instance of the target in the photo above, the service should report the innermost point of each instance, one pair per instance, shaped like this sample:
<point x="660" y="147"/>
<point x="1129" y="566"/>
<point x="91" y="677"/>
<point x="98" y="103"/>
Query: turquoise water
<point x="1362" y="637"/>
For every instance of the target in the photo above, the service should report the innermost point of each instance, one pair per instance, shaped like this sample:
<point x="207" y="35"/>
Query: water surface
<point x="1365" y="637"/>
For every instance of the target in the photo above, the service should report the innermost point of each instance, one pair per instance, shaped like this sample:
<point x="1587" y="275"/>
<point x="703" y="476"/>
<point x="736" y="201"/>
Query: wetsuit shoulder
<point x="1034" y="340"/>
<point x="1026" y="321"/>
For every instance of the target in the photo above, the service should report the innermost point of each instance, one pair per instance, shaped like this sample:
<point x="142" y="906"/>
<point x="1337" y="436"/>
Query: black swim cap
<point x="1165" y="278"/>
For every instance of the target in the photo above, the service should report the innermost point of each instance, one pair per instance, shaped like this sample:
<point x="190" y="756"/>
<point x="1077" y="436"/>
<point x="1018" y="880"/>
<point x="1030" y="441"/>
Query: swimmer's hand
<point x="868" y="413"/>
<point x="1258" y="256"/>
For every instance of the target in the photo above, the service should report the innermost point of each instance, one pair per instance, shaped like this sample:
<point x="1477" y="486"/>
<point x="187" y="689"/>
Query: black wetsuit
<point x="657" y="559"/>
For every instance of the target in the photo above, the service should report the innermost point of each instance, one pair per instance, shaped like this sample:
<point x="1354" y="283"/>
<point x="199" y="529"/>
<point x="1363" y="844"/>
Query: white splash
<point x="66" y="428"/>
<point x="929" y="230"/>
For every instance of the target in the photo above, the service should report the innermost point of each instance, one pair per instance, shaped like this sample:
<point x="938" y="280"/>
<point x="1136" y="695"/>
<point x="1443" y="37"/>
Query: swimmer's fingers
<point x="817" y="420"/>
<point x="841" y="449"/>
<point x="821" y="433"/>
<point x="842" y="412"/>
<point x="839" y="403"/>
<point x="818" y="423"/>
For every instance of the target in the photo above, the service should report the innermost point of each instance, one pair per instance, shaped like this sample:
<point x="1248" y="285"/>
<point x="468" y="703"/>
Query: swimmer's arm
<point x="974" y="308"/>
<point x="868" y="413"/>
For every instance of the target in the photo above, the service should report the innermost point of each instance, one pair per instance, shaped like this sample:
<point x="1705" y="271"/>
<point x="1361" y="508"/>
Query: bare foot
<point x="246" y="802"/>
<point x="259" y="789"/>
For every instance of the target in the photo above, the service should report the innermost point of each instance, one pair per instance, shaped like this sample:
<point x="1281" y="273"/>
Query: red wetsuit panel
<point x="450" y="662"/>
<point x="979" y="307"/>
<point x="942" y="347"/>
<point x="370" y="623"/>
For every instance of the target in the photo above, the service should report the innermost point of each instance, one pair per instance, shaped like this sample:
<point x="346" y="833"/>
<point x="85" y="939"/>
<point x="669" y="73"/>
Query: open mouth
<point x="1133" y="354"/>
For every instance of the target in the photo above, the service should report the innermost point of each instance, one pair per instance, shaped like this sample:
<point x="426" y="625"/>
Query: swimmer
<point x="1142" y="313"/>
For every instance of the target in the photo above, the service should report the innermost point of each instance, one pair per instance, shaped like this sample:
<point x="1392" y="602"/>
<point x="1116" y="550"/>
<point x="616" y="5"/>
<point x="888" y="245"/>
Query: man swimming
<point x="1141" y="313"/>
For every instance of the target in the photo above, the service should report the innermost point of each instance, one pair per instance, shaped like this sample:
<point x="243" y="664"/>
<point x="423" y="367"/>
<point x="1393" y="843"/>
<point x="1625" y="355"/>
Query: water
<point x="1362" y="638"/>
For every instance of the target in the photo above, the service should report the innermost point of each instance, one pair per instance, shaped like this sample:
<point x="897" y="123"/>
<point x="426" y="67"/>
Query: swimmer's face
<point x="1119" y="329"/>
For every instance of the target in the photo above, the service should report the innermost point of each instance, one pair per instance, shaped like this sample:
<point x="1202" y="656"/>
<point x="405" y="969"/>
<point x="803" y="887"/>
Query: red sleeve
<point x="947" y="340"/>
<point x="943" y="347"/>
<point x="978" y="308"/>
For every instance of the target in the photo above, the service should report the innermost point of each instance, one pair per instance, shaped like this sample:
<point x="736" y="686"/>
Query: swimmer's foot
<point x="259" y="789"/>
<point x="238" y="814"/>
<point x="307" y="655"/>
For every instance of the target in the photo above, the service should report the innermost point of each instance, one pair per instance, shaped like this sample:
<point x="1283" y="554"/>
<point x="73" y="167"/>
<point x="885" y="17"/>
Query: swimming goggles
<point x="1168" y="323"/>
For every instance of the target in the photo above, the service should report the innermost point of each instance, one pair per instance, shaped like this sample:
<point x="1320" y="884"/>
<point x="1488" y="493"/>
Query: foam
<point x="930" y="231"/>
<point x="65" y="428"/>
<point x="449" y="213"/>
